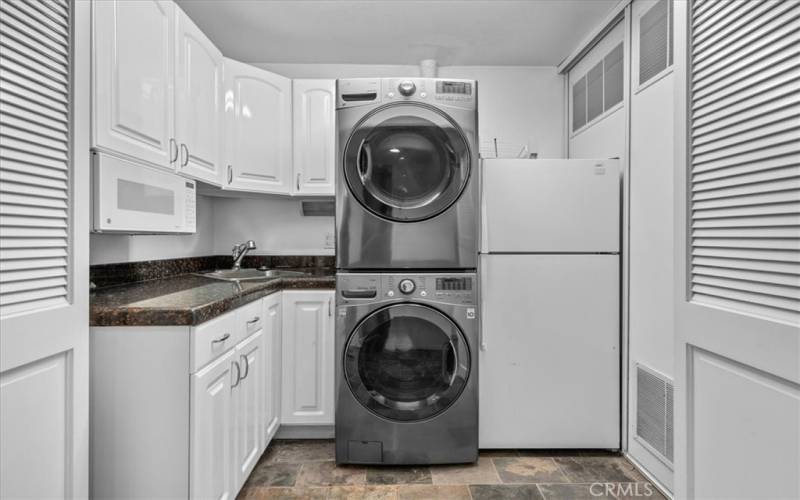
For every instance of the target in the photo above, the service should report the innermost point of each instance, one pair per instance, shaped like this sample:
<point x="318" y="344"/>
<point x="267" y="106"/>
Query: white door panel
<point x="198" y="102"/>
<point x="562" y="308"/>
<point x="210" y="473"/>
<point x="133" y="79"/>
<point x="308" y="381"/>
<point x="248" y="397"/>
<point x="34" y="409"/>
<point x="44" y="248"/>
<point x="737" y="334"/>
<point x="272" y="369"/>
<point x="314" y="138"/>
<point x="258" y="114"/>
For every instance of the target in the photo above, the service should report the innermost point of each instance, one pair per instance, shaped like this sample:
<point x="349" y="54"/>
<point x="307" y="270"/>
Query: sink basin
<point x="249" y="274"/>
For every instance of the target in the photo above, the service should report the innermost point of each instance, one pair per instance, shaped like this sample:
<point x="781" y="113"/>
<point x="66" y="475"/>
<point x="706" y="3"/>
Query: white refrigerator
<point x="549" y="361"/>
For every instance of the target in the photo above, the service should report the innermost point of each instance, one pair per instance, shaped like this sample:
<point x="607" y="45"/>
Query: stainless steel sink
<point x="249" y="274"/>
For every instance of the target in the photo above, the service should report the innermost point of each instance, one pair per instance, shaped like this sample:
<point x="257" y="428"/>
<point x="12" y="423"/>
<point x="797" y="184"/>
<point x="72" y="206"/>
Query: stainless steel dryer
<point x="406" y="370"/>
<point x="407" y="190"/>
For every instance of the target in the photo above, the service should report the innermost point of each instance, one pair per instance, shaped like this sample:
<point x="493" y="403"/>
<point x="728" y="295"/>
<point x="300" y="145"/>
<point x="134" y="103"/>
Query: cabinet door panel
<point x="258" y="128"/>
<point x="272" y="368"/>
<point x="133" y="79"/>
<point x="314" y="136"/>
<point x="198" y="99"/>
<point x="210" y="449"/>
<point x="308" y="358"/>
<point x="248" y="398"/>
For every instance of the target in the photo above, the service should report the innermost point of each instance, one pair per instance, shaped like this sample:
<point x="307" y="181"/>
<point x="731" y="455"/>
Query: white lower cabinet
<point x="272" y="366"/>
<point x="212" y="397"/>
<point x="211" y="430"/>
<point x="248" y="396"/>
<point x="308" y="357"/>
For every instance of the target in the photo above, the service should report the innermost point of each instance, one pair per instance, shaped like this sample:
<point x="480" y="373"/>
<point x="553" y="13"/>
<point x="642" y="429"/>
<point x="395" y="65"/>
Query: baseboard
<point x="661" y="488"/>
<point x="305" y="432"/>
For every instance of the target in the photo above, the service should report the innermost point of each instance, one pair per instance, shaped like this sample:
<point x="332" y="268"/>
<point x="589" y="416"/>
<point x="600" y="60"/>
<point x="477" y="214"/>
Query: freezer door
<point x="550" y="352"/>
<point x="551" y="206"/>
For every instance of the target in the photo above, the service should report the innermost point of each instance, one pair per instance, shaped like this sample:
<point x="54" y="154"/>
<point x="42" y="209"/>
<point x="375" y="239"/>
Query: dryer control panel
<point x="454" y="288"/>
<point x="352" y="92"/>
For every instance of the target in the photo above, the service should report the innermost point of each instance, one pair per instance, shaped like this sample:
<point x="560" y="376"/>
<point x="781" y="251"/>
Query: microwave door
<point x="136" y="199"/>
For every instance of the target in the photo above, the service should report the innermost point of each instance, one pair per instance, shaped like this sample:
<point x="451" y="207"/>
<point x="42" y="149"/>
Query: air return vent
<point x="318" y="208"/>
<point x="654" y="410"/>
<point x="655" y="44"/>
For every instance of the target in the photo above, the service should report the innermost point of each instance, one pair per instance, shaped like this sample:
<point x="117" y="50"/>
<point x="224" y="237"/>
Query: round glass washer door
<point x="406" y="362"/>
<point x="407" y="162"/>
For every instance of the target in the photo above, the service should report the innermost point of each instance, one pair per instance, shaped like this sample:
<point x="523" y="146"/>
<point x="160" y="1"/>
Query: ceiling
<point x="454" y="32"/>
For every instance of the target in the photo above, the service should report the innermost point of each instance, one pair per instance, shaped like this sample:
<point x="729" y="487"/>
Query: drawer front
<point x="250" y="318"/>
<point x="213" y="338"/>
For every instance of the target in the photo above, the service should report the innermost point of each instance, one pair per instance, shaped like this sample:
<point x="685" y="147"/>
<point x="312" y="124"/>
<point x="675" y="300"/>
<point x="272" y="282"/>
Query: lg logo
<point x="621" y="489"/>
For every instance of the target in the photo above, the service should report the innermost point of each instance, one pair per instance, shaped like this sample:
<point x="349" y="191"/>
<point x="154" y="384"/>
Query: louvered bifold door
<point x="745" y="156"/>
<point x="34" y="153"/>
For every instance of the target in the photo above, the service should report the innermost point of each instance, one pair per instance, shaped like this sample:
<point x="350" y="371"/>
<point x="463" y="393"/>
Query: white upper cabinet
<point x="198" y="102"/>
<point x="314" y="113"/>
<point x="308" y="357"/>
<point x="258" y="124"/>
<point x="133" y="79"/>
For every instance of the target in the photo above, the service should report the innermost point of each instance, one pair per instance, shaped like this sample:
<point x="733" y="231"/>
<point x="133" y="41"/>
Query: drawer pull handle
<point x="221" y="339"/>
<point x="254" y="320"/>
<point x="246" y="366"/>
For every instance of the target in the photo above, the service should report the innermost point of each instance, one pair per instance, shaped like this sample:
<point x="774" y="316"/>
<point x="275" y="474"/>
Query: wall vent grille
<point x="655" y="44"/>
<point x="654" y="412"/>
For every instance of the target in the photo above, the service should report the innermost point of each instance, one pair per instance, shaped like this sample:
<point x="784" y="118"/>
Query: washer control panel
<point x="455" y="288"/>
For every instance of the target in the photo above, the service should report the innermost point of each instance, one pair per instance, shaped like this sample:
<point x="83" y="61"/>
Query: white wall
<point x="276" y="224"/>
<point x="651" y="321"/>
<point x="112" y="248"/>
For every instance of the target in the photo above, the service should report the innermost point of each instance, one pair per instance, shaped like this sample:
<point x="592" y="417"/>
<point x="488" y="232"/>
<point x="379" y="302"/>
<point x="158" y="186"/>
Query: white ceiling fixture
<point x="454" y="32"/>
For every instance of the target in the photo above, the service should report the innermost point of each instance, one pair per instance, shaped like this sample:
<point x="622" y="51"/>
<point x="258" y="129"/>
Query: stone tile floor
<point x="306" y="469"/>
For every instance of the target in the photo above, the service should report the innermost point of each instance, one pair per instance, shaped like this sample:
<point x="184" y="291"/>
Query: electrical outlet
<point x="330" y="240"/>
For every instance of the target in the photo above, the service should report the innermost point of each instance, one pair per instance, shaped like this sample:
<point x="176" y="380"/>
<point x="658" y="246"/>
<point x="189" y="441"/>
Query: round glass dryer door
<point x="406" y="362"/>
<point x="407" y="162"/>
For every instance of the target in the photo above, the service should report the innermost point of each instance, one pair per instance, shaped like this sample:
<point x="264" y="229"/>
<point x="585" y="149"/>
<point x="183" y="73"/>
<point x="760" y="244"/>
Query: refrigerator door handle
<point x="484" y="272"/>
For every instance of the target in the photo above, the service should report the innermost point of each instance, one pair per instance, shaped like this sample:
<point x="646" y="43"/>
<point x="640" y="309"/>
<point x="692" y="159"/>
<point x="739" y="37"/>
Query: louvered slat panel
<point x="34" y="155"/>
<point x="752" y="276"/>
<point x="745" y="157"/>
<point x="749" y="38"/>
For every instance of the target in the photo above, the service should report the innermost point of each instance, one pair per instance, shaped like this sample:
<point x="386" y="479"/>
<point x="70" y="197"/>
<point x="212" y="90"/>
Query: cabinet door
<point x="272" y="369"/>
<point x="314" y="141"/>
<point x="258" y="123"/>
<point x="210" y="426"/>
<point x="198" y="102"/>
<point x="308" y="375"/>
<point x="248" y="398"/>
<point x="133" y="79"/>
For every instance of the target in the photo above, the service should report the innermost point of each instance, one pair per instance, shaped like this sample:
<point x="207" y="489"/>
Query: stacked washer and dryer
<point x="407" y="218"/>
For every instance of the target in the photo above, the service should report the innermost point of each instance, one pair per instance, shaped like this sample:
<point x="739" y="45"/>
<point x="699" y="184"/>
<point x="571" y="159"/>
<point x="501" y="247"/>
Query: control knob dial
<point x="407" y="286"/>
<point x="406" y="88"/>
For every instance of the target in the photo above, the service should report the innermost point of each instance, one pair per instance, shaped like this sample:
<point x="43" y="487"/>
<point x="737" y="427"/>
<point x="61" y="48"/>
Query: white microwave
<point x="132" y="198"/>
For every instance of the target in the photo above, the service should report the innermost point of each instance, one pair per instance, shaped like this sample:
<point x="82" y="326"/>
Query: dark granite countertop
<point x="189" y="299"/>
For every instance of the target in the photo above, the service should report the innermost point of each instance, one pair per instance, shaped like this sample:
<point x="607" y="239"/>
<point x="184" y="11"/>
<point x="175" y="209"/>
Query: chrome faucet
<point x="240" y="250"/>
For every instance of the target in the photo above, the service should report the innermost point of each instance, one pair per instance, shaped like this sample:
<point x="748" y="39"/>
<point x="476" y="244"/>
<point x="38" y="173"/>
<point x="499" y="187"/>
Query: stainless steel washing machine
<point x="406" y="370"/>
<point x="407" y="190"/>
